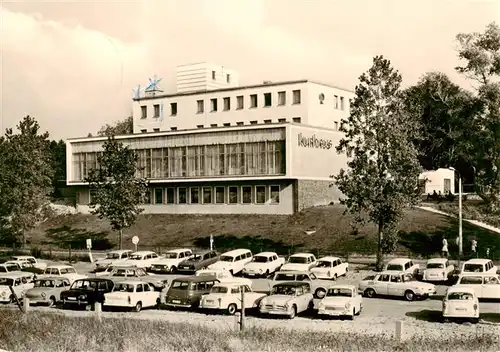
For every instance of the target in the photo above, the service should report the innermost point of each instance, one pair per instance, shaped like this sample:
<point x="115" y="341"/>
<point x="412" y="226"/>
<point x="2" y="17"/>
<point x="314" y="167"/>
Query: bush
<point x="36" y="252"/>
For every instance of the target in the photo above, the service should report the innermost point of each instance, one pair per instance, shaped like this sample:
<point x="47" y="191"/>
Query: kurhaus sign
<point x="314" y="142"/>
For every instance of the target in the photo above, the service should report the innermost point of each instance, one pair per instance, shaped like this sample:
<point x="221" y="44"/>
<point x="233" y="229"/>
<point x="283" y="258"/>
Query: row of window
<point x="238" y="159"/>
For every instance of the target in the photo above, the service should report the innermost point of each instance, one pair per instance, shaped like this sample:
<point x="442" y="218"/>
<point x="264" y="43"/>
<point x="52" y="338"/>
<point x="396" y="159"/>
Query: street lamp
<point x="460" y="250"/>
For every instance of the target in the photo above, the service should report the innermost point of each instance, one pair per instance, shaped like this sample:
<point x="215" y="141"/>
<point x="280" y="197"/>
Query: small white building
<point x="440" y="180"/>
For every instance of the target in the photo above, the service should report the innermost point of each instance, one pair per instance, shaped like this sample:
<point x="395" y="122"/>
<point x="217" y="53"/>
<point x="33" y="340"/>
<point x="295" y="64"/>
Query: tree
<point x="481" y="53"/>
<point x="120" y="127"/>
<point x="26" y="180"/>
<point x="58" y="151"/>
<point x="382" y="175"/>
<point x="118" y="193"/>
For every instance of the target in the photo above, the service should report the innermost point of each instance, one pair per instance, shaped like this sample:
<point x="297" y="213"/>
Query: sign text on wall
<point x="314" y="142"/>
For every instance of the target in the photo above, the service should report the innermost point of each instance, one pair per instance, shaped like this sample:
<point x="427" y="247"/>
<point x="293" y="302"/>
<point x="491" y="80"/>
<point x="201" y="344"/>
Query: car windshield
<point x="112" y="256"/>
<point x="435" y="266"/>
<point x="460" y="296"/>
<point x="226" y="258"/>
<point x="136" y="257"/>
<point x="298" y="260"/>
<point x="45" y="283"/>
<point x="218" y="289"/>
<point x="123" y="287"/>
<point x="284" y="277"/>
<point x="396" y="267"/>
<point x="180" y="285"/>
<point x="370" y="277"/>
<point x="260" y="259"/>
<point x="84" y="285"/>
<point x="206" y="273"/>
<point x="473" y="268"/>
<point x="339" y="292"/>
<point x="6" y="282"/>
<point x="324" y="264"/>
<point x="283" y="290"/>
<point x="171" y="255"/>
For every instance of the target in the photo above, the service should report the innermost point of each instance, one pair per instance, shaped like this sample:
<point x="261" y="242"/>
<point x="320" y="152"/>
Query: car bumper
<point x="160" y="271"/>
<point x="458" y="314"/>
<point x="253" y="273"/>
<point x="178" y="305"/>
<point x="65" y="301"/>
<point x="335" y="311"/>
<point x="191" y="270"/>
<point x="426" y="294"/>
<point x="275" y="311"/>
<point x="38" y="300"/>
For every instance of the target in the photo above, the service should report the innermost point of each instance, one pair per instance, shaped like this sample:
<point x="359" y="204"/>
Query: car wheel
<point x="138" y="307"/>
<point x="310" y="307"/>
<point x="370" y="293"/>
<point x="52" y="301"/>
<point x="351" y="317"/>
<point x="359" y="311"/>
<point x="12" y="299"/>
<point x="231" y="272"/>
<point x="293" y="313"/>
<point x="231" y="309"/>
<point x="88" y="307"/>
<point x="173" y="269"/>
<point x="409" y="296"/>
<point x="158" y="303"/>
<point x="267" y="273"/>
<point x="320" y="293"/>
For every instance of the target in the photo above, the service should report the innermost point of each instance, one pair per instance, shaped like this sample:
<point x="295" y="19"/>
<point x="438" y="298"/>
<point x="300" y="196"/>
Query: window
<point x="336" y="124"/>
<point x="267" y="121"/>
<point x="200" y="126"/>
<point x="213" y="105"/>
<point x="182" y="196"/>
<point x="296" y="119"/>
<point x="253" y="100"/>
<point x="336" y="101"/>
<point x="200" y="106"/>
<point x="213" y="125"/>
<point x="253" y="122"/>
<point x="195" y="195"/>
<point x="228" y="78"/>
<point x="247" y="194"/>
<point x="207" y="195"/>
<point x="156" y="130"/>
<point x="173" y="109"/>
<point x="173" y="128"/>
<point x="239" y="102"/>
<point x="260" y="194"/>
<point x="281" y="98"/>
<point x="233" y="195"/>
<point x="213" y="75"/>
<point x="281" y="120"/>
<point x="341" y="103"/>
<point x="267" y="99"/>
<point x="144" y="131"/>
<point x="156" y="108"/>
<point x="227" y="124"/>
<point x="170" y="196"/>
<point x="227" y="104"/>
<point x="220" y="195"/>
<point x="275" y="194"/>
<point x="296" y="96"/>
<point x="144" y="112"/>
<point x="240" y="123"/>
<point x="158" y="195"/>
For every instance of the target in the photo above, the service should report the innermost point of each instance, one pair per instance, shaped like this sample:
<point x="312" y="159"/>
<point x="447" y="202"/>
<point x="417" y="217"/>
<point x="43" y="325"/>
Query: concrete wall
<point x="198" y="76"/>
<point x="311" y="193"/>
<point x="438" y="179"/>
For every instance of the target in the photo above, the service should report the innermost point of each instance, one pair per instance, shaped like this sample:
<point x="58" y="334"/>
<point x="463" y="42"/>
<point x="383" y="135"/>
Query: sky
<point x="73" y="64"/>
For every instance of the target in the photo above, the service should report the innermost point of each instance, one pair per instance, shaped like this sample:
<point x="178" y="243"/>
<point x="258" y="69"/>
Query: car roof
<point x="293" y="272"/>
<point x="178" y="250"/>
<point x="125" y="266"/>
<point x="477" y="261"/>
<point x="120" y="251"/>
<point x="16" y="274"/>
<point x="52" y="278"/>
<point x="461" y="289"/>
<point x="236" y="252"/>
<point x="203" y="251"/>
<point x="132" y="282"/>
<point x="351" y="287"/>
<point x="22" y="256"/>
<point x="143" y="252"/>
<point x="194" y="278"/>
<point x="292" y="283"/>
<point x="392" y="272"/>
<point x="59" y="266"/>
<point x="94" y="279"/>
<point x="229" y="284"/>
<point x="265" y="254"/>
<point x="302" y="254"/>
<point x="437" y="260"/>
<point x="328" y="258"/>
<point x="398" y="261"/>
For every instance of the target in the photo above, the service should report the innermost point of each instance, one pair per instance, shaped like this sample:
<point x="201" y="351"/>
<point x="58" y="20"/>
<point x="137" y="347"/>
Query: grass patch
<point x="471" y="210"/>
<point x="52" y="332"/>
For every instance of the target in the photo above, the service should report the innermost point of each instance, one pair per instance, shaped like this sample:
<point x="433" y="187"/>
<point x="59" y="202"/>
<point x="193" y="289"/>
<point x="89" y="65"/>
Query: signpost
<point x="135" y="241"/>
<point x="89" y="247"/>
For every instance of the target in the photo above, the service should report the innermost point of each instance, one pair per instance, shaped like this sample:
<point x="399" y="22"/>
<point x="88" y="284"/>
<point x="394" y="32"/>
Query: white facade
<point x="440" y="180"/>
<point x="205" y="76"/>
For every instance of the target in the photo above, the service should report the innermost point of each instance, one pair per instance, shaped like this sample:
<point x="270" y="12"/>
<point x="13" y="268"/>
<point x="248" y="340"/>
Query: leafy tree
<point x="26" y="180"/>
<point x="118" y="193"/>
<point x="58" y="151"/>
<point x="120" y="127"/>
<point x="382" y="175"/>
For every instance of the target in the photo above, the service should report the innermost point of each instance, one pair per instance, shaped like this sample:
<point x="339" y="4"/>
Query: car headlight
<point x="347" y="305"/>
<point x="4" y="293"/>
<point x="261" y="271"/>
<point x="43" y="294"/>
<point x="82" y="297"/>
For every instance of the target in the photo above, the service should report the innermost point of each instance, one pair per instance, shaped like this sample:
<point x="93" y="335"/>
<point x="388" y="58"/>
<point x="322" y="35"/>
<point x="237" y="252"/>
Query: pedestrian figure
<point x="445" y="248"/>
<point x="474" y="247"/>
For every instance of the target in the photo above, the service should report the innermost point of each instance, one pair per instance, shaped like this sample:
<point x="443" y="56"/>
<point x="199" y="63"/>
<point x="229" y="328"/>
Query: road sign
<point x="135" y="240"/>
<point x="89" y="243"/>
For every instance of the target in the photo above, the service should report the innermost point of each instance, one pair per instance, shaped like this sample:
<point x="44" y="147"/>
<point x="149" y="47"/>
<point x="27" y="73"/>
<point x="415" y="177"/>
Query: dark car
<point x="200" y="260"/>
<point x="86" y="292"/>
<point x="186" y="292"/>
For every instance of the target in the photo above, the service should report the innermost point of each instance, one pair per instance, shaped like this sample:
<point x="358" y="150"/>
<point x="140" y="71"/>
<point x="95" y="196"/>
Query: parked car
<point x="404" y="265"/>
<point x="300" y="262"/>
<point x="9" y="267"/>
<point x="120" y="273"/>
<point x="461" y="302"/>
<point x="142" y="259"/>
<point x="223" y="276"/>
<point x="34" y="262"/>
<point x="485" y="286"/>
<point x="187" y="291"/>
<point x="263" y="264"/>
<point x="115" y="257"/>
<point x="170" y="261"/>
<point x="106" y="272"/>
<point x="20" y="282"/>
<point x="438" y="269"/>
<point x="48" y="290"/>
<point x="318" y="286"/>
<point x="330" y="268"/>
<point x="63" y="270"/>
<point x="233" y="261"/>
<point x="226" y="296"/>
<point x="288" y="298"/>
<point x="479" y="266"/>
<point x="199" y="260"/>
<point x="132" y="294"/>
<point x="396" y="283"/>
<point x="341" y="300"/>
<point x="86" y="292"/>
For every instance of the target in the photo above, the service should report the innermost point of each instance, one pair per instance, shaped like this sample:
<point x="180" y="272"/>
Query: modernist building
<point x="217" y="147"/>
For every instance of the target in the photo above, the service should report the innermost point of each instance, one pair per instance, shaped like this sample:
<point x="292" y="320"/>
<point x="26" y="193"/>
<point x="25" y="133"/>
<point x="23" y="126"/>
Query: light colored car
<point x="115" y="257"/>
<point x="289" y="299"/>
<point x="10" y="267"/>
<point x="300" y="262"/>
<point x="233" y="261"/>
<point x="142" y="259"/>
<point x="20" y="282"/>
<point x="341" y="300"/>
<point x="318" y="286"/>
<point x="263" y="264"/>
<point x="223" y="276"/>
<point x="106" y="272"/>
<point x="226" y="296"/>
<point x="48" y="290"/>
<point x="32" y="260"/>
<point x="404" y="265"/>
<point x="120" y="273"/>
<point x="479" y="266"/>
<point x="485" y="286"/>
<point x="132" y="294"/>
<point x="330" y="268"/>
<point x="170" y="261"/>
<point x="396" y="283"/>
<point x="63" y="270"/>
<point x="438" y="269"/>
<point x="461" y="302"/>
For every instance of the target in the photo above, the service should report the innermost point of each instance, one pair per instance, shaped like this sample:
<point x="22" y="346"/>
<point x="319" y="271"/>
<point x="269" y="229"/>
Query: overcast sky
<point x="73" y="65"/>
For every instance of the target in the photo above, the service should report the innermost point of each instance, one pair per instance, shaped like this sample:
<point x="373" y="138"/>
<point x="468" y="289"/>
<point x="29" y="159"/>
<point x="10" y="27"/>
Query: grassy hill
<point x="421" y="232"/>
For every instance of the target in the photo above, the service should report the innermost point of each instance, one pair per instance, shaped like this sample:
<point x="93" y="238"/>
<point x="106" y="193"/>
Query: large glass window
<point x="275" y="194"/>
<point x="182" y="195"/>
<point x="233" y="194"/>
<point x="158" y="195"/>
<point x="195" y="195"/>
<point x="247" y="194"/>
<point x="260" y="194"/>
<point x="207" y="195"/>
<point x="220" y="195"/>
<point x="170" y="195"/>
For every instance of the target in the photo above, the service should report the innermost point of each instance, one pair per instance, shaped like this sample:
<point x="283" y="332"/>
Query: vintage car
<point x="170" y="261"/>
<point x="199" y="260"/>
<point x="461" y="302"/>
<point x="186" y="292"/>
<point x="226" y="296"/>
<point x="106" y="272"/>
<point x="300" y="262"/>
<point x="223" y="276"/>
<point x="32" y="260"/>
<point x="63" y="270"/>
<point x="485" y="286"/>
<point x="479" y="266"/>
<point x="48" y="290"/>
<point x="341" y="300"/>
<point x="132" y="294"/>
<point x="330" y="268"/>
<point x="438" y="269"/>
<point x="9" y="267"/>
<point x="233" y="261"/>
<point x="404" y="265"/>
<point x="142" y="259"/>
<point x="318" y="286"/>
<point x="289" y="299"/>
<point x="115" y="257"/>
<point x="86" y="292"/>
<point x="120" y="273"/>
<point x="396" y="283"/>
<point x="20" y="283"/>
<point x="263" y="264"/>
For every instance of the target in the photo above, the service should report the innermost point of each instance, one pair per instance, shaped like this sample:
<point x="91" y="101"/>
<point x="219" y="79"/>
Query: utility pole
<point x="242" y="312"/>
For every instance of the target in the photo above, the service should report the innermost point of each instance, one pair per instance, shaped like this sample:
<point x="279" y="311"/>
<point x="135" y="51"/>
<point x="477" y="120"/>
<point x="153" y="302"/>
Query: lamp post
<point x="460" y="249"/>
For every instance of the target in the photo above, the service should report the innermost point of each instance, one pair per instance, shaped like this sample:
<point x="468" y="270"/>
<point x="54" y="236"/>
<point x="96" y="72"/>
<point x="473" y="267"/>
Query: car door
<point x="149" y="296"/>
<point x="395" y="285"/>
<point x="381" y="284"/>
<point x="491" y="287"/>
<point x="335" y="267"/>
